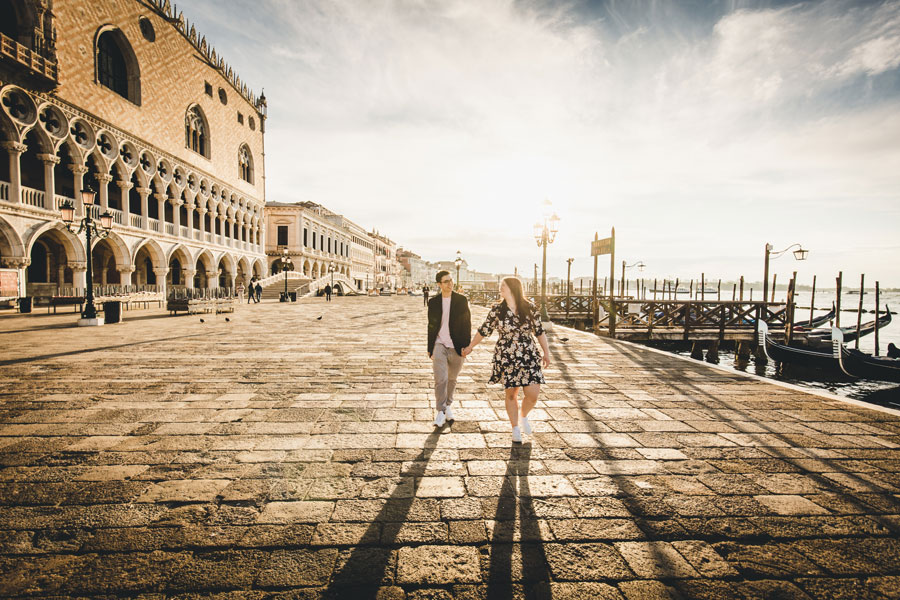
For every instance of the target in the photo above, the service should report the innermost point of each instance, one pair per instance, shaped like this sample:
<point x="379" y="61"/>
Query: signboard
<point x="600" y="247"/>
<point x="9" y="283"/>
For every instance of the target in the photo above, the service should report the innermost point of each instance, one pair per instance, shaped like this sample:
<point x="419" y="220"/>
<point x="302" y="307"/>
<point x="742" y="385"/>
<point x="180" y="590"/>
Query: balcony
<point x="40" y="68"/>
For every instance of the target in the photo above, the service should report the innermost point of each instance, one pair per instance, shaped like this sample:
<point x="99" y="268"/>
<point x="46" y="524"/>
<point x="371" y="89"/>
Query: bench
<point x="65" y="301"/>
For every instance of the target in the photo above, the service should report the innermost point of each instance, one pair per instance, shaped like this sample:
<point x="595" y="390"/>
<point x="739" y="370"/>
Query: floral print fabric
<point x="517" y="362"/>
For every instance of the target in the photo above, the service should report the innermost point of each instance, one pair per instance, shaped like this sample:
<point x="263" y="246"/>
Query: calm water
<point x="878" y="392"/>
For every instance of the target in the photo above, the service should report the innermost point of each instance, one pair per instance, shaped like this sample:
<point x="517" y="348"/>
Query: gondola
<point x="827" y="361"/>
<point x="819" y="339"/>
<point x="859" y="364"/>
<point x="816" y="322"/>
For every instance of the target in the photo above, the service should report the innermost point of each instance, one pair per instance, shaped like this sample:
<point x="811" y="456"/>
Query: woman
<point x="517" y="362"/>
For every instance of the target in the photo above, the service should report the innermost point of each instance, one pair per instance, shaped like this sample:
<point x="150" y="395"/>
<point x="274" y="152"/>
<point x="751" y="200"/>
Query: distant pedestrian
<point x="327" y="293"/>
<point x="251" y="291"/>
<point x="449" y="331"/>
<point x="517" y="362"/>
<point x="240" y="290"/>
<point x="258" y="292"/>
<point x="425" y="291"/>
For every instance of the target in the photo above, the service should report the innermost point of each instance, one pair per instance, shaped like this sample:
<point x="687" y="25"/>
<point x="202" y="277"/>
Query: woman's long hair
<point x="523" y="306"/>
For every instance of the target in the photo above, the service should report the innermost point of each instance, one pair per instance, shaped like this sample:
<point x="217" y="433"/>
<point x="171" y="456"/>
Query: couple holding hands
<point x="517" y="362"/>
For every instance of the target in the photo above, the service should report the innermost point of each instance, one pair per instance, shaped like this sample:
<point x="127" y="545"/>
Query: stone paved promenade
<point x="279" y="455"/>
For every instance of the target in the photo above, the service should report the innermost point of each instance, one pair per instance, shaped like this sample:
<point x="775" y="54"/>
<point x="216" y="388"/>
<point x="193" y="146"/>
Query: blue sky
<point x="700" y="130"/>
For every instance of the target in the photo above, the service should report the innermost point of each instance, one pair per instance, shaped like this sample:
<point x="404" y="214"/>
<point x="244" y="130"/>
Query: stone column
<point x="212" y="279"/>
<point x="161" y="273"/>
<point x="233" y="222"/>
<point x="124" y="187"/>
<point x="188" y="277"/>
<point x="79" y="275"/>
<point x="125" y="274"/>
<point x="176" y="215"/>
<point x="15" y="150"/>
<point x="145" y="206"/>
<point x="103" y="180"/>
<point x="161" y="210"/>
<point x="202" y="212"/>
<point x="78" y="172"/>
<point x="50" y="161"/>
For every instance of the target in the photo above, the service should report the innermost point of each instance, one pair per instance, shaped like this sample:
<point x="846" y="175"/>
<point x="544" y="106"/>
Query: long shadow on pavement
<point x="362" y="574"/>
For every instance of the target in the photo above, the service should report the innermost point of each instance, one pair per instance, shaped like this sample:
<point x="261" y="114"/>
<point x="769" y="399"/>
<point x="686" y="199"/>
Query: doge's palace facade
<point x="127" y="97"/>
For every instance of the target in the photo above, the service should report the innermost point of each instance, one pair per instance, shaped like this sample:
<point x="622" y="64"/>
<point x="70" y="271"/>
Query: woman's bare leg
<point x="512" y="405"/>
<point x="530" y="397"/>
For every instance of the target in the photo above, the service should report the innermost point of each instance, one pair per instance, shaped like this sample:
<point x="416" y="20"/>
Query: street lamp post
<point x="569" y="262"/>
<point x="458" y="263"/>
<point x="331" y="270"/>
<point x="639" y="264"/>
<point x="544" y="235"/>
<point x="89" y="226"/>
<point x="286" y="265"/>
<point x="799" y="254"/>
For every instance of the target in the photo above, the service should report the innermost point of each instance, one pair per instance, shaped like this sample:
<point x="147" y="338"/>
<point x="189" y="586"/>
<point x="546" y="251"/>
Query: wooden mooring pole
<point x="862" y="290"/>
<point x="789" y="310"/>
<point x="742" y="289"/>
<point x="877" y="292"/>
<point x="812" y="300"/>
<point x="837" y="293"/>
<point x="774" y="279"/>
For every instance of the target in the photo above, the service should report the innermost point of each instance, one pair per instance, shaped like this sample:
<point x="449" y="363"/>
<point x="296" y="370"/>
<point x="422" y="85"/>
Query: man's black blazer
<point x="460" y="321"/>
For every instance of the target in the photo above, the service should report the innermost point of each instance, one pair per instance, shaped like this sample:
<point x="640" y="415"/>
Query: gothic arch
<point x="72" y="245"/>
<point x="205" y="258"/>
<point x="245" y="164"/>
<point x="120" y="249"/>
<point x="11" y="245"/>
<point x="115" y="65"/>
<point x="154" y="250"/>
<point x="19" y="20"/>
<point x="259" y="267"/>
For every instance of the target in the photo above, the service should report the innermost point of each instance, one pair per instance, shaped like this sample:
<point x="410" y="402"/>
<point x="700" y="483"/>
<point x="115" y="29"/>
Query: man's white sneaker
<point x="440" y="419"/>
<point x="526" y="426"/>
<point x="448" y="412"/>
<point x="517" y="436"/>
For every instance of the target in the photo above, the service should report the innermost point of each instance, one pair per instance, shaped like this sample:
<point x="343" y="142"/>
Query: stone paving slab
<point x="279" y="455"/>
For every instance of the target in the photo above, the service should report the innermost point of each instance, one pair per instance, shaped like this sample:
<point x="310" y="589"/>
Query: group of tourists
<point x="254" y="290"/>
<point x="517" y="363"/>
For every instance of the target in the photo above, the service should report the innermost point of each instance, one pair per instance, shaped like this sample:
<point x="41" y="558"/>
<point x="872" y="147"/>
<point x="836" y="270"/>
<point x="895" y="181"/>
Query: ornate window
<point x="117" y="66"/>
<point x="245" y="160"/>
<point x="196" y="131"/>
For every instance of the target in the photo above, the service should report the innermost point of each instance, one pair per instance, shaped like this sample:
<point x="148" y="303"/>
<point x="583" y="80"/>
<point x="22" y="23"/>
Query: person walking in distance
<point x="251" y="291"/>
<point x="258" y="292"/>
<point x="449" y="331"/>
<point x="425" y="291"/>
<point x="327" y="293"/>
<point x="517" y="362"/>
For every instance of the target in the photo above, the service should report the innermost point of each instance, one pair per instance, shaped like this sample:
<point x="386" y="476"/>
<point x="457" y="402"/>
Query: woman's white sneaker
<point x="517" y="436"/>
<point x="448" y="412"/>
<point x="526" y="426"/>
<point x="440" y="419"/>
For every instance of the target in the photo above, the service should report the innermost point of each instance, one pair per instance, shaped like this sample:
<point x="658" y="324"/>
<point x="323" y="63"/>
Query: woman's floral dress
<point x="517" y="362"/>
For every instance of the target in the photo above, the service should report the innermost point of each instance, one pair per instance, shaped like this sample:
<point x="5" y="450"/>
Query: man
<point x="327" y="293"/>
<point x="258" y="292"/>
<point x="425" y="291"/>
<point x="251" y="292"/>
<point x="449" y="331"/>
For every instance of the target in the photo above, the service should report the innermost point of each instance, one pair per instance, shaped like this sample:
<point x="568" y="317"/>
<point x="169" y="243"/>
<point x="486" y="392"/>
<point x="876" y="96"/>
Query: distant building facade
<point x="416" y="272"/>
<point x="313" y="236"/>
<point x="125" y="97"/>
<point x="387" y="268"/>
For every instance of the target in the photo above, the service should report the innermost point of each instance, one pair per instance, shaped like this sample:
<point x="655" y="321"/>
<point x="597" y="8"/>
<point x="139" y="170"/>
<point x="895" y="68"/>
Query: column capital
<point x="49" y="158"/>
<point x="202" y="210"/>
<point x="144" y="191"/>
<point x="78" y="266"/>
<point x="188" y="272"/>
<point x="126" y="269"/>
<point x="212" y="274"/>
<point x="161" y="271"/>
<point x="78" y="169"/>
<point x="161" y="196"/>
<point x="15" y="262"/>
<point x="14" y="147"/>
<point x="104" y="177"/>
<point x="125" y="185"/>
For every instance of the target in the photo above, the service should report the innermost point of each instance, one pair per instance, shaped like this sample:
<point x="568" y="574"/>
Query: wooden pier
<point x="662" y="320"/>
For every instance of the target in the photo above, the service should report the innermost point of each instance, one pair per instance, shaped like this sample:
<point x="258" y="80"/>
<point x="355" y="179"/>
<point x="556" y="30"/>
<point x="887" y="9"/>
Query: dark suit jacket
<point x="460" y="321"/>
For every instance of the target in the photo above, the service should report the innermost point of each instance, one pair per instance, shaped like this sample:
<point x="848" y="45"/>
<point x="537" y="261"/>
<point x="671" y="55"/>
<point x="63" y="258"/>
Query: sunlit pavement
<point x="279" y="455"/>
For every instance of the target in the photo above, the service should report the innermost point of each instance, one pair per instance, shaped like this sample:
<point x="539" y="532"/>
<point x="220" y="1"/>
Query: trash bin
<point x="293" y="296"/>
<point x="25" y="304"/>
<point x="112" y="312"/>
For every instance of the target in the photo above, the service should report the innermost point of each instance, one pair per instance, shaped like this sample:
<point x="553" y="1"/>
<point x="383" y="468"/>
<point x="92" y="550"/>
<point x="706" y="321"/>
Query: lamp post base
<point x="96" y="322"/>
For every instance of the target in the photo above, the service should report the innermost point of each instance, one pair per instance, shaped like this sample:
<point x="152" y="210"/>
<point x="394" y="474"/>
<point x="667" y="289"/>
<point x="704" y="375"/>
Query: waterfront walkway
<point x="289" y="453"/>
